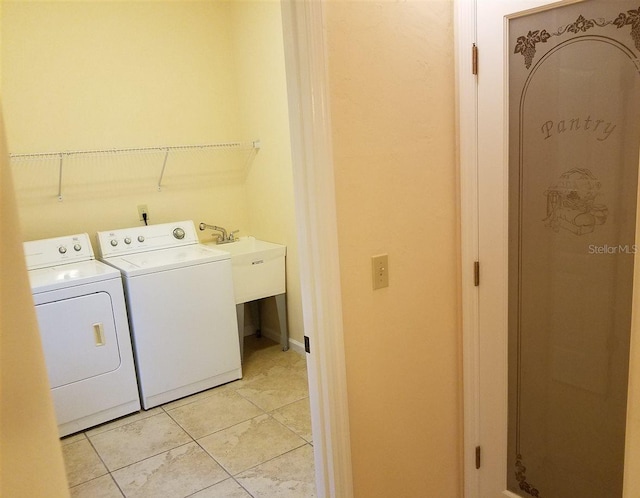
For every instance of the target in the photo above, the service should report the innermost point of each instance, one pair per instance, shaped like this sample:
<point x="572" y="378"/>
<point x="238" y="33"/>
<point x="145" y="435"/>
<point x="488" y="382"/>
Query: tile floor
<point x="249" y="438"/>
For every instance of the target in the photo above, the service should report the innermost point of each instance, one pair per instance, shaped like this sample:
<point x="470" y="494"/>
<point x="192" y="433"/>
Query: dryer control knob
<point x="77" y="247"/>
<point x="114" y="242"/>
<point x="140" y="238"/>
<point x="178" y="233"/>
<point x="62" y="249"/>
<point x="127" y="240"/>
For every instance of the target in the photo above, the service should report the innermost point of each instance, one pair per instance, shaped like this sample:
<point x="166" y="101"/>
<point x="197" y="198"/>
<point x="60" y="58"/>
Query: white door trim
<point x="467" y="127"/>
<point x="303" y="26"/>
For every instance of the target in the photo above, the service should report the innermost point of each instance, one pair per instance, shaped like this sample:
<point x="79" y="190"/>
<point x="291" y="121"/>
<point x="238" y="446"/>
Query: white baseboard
<point x="294" y="345"/>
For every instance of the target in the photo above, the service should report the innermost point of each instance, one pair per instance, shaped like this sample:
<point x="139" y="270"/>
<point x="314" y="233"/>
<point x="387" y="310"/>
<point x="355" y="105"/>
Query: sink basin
<point x="258" y="268"/>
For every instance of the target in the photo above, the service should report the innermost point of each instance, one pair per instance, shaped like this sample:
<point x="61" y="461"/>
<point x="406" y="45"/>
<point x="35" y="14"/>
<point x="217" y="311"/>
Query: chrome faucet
<point x="223" y="238"/>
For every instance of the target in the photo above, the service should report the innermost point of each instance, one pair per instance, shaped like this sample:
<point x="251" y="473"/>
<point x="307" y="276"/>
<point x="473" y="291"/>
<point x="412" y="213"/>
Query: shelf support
<point x="61" y="160"/>
<point x="164" y="165"/>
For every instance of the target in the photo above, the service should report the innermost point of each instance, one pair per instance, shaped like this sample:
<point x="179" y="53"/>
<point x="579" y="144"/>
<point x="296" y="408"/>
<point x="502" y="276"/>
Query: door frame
<point x="314" y="192"/>
<point x="465" y="36"/>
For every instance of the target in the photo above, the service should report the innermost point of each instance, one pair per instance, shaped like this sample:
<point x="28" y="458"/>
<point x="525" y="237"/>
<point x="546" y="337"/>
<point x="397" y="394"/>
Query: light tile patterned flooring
<point x="249" y="438"/>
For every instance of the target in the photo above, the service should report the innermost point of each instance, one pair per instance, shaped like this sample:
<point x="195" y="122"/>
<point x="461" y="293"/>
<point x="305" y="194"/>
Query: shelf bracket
<point x="61" y="160"/>
<point x="164" y="165"/>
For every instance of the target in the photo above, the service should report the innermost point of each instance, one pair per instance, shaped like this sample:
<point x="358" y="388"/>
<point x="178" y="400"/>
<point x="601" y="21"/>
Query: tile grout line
<point x="274" y="458"/>
<point x="109" y="473"/>
<point x="286" y="426"/>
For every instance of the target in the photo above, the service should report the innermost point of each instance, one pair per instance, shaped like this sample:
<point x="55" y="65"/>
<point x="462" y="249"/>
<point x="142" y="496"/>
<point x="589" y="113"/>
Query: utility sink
<point x="258" y="268"/>
<point x="258" y="272"/>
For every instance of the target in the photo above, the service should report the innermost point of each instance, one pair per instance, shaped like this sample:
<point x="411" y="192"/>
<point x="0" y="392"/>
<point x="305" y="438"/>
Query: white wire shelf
<point x="61" y="156"/>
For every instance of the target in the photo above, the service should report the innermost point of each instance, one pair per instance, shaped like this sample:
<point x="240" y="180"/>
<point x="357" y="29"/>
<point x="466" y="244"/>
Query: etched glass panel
<point x="574" y="114"/>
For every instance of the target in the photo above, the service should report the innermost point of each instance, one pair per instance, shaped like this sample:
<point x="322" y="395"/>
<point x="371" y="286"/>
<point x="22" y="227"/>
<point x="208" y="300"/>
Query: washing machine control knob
<point x="178" y="233"/>
<point x="114" y="242"/>
<point x="127" y="240"/>
<point x="140" y="238"/>
<point x="62" y="249"/>
<point x="77" y="247"/>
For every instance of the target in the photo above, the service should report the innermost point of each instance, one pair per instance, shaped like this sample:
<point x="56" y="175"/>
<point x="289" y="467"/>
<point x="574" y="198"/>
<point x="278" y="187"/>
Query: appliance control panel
<point x="56" y="251"/>
<point x="146" y="238"/>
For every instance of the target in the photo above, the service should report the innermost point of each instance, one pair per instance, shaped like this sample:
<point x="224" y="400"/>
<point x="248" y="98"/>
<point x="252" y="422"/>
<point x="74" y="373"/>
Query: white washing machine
<point x="85" y="335"/>
<point x="182" y="312"/>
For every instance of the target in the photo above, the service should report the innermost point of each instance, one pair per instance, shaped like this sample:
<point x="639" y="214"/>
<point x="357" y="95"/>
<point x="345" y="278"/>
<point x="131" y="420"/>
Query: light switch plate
<point x="380" y="271"/>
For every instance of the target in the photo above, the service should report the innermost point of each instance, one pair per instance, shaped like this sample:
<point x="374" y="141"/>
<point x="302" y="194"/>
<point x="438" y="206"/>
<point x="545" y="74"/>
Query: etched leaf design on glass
<point x="581" y="24"/>
<point x="632" y="18"/>
<point x="526" y="45"/>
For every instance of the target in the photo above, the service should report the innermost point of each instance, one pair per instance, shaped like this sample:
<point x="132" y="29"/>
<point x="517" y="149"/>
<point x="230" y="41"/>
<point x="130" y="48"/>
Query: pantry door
<point x="558" y="132"/>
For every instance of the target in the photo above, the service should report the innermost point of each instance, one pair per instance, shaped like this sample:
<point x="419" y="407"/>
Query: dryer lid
<point x="69" y="275"/>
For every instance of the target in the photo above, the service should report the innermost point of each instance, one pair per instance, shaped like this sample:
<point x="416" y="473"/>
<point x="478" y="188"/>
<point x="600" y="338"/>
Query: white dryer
<point x="182" y="313"/>
<point x="83" y="325"/>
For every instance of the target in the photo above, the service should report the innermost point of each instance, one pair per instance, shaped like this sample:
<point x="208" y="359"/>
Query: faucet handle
<point x="231" y="234"/>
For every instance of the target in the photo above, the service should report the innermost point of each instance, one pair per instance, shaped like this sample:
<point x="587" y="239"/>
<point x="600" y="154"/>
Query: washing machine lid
<point x="70" y="275"/>
<point x="166" y="259"/>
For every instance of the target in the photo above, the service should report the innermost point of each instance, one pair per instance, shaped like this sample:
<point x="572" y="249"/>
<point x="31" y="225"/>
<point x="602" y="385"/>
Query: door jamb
<point x="314" y="191"/>
<point x="467" y="125"/>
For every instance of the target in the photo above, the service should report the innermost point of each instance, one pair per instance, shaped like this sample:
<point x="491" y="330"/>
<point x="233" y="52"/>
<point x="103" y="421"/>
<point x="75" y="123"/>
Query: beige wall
<point x="97" y="75"/>
<point x="392" y="105"/>
<point x="30" y="454"/>
<point x="31" y="462"/>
